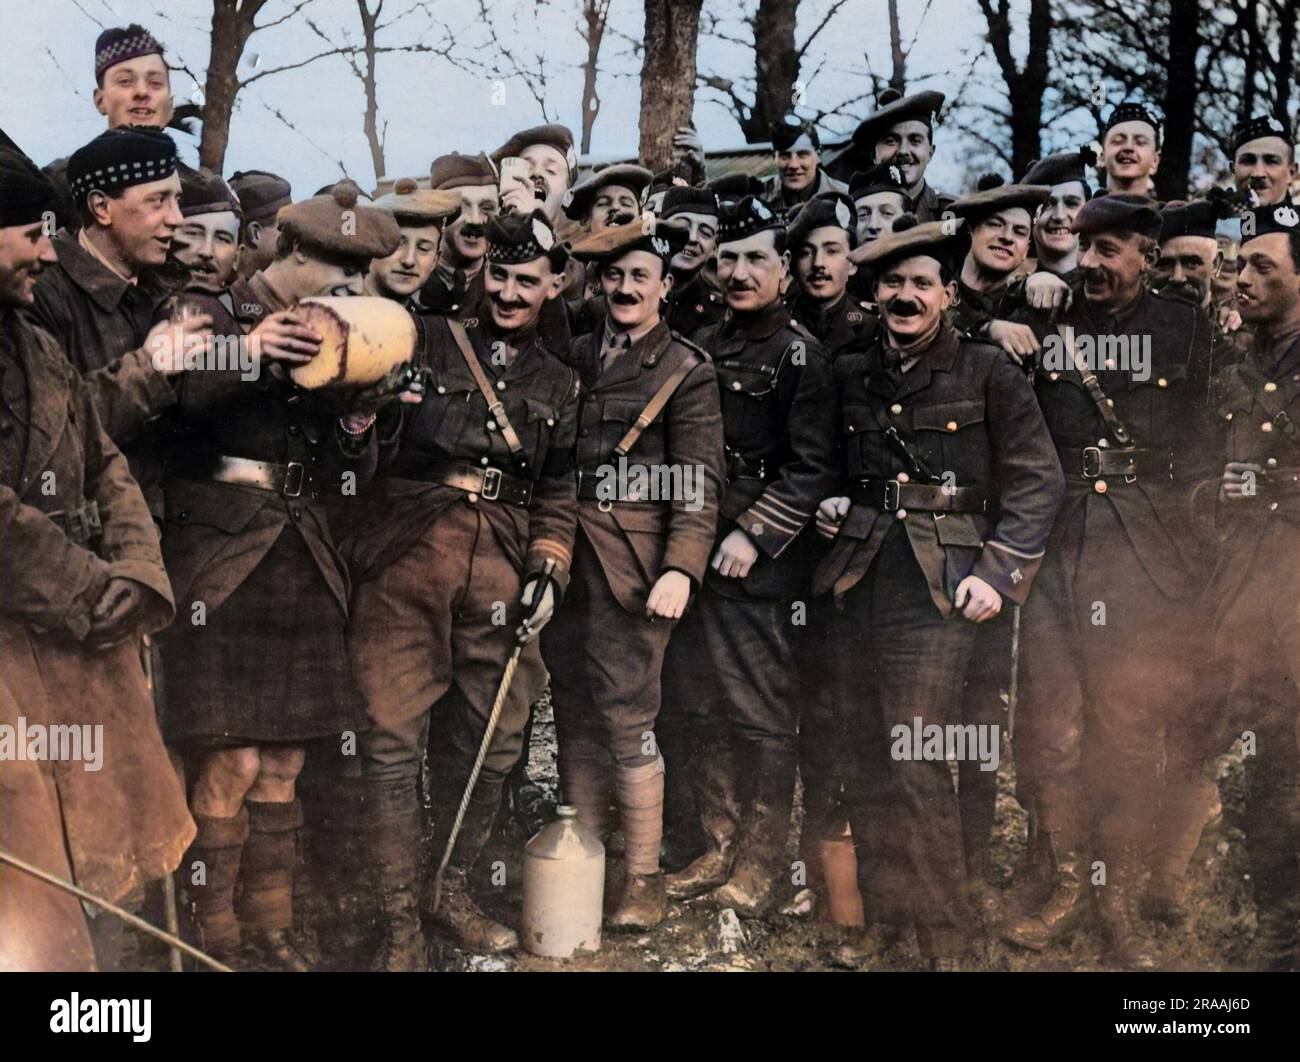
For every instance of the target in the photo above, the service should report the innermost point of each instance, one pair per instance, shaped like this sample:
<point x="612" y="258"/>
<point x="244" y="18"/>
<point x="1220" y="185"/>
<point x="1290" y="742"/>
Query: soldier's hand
<point x="1018" y="340"/>
<point x="111" y="615"/>
<point x="168" y="340"/>
<point x="536" y="612"/>
<point x="976" y="600"/>
<point x="830" y="516"/>
<point x="518" y="199"/>
<point x="1229" y="317"/>
<point x="1046" y="291"/>
<point x="735" y="556"/>
<point x="669" y="597"/>
<point x="284" y="337"/>
<point x="687" y="143"/>
<point x="1240" y="481"/>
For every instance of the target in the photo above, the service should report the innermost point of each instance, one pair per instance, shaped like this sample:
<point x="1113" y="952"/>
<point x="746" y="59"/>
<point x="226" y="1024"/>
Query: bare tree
<point x="1026" y="84"/>
<point x="672" y="29"/>
<point x="591" y="27"/>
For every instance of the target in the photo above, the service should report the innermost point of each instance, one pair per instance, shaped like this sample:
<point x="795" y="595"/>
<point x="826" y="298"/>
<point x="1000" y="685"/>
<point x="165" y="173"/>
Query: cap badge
<point x="544" y="236"/>
<point x="842" y="214"/>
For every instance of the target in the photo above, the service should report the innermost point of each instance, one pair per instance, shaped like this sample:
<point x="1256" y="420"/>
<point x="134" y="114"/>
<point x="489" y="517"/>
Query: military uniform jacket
<point x="216" y="533"/>
<point x="463" y="302"/>
<point x="1167" y="413"/>
<point x="778" y="408"/>
<point x="539" y="391"/>
<point x="637" y="541"/>
<point x="848" y="325"/>
<point x="966" y="409"/>
<point x="775" y="198"/>
<point x="694" y="306"/>
<point x="930" y="204"/>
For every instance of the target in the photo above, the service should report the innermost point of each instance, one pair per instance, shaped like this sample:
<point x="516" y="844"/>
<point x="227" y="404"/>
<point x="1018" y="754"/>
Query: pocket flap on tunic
<point x="948" y="416"/>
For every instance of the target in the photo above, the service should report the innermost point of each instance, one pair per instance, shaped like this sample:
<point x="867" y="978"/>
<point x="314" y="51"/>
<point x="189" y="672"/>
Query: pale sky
<point x="47" y="78"/>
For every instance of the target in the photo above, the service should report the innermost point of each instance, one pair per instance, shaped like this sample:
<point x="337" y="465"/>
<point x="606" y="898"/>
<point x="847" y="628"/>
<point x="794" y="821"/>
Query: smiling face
<point x="549" y="172"/>
<point x="1130" y="154"/>
<point x="1265" y="166"/>
<point x="209" y="245"/>
<point x="798" y="168"/>
<point x="701" y="241"/>
<point x="911" y="295"/>
<point x="1000" y="242"/>
<point x="465" y="239"/>
<point x="1268" y="281"/>
<point x="141" y="221"/>
<point x="909" y="147"/>
<point x="403" y="273"/>
<point x="634" y="286"/>
<point x="614" y="204"/>
<point x="821" y="263"/>
<point x="322" y="276"/>
<point x="1223" y="284"/>
<point x="1052" y="225"/>
<point x="136" y="92"/>
<point x="751" y="270"/>
<point x="25" y="252"/>
<point x="876" y="213"/>
<point x="1186" y="266"/>
<point x="1114" y="265"/>
<point x="516" y="293"/>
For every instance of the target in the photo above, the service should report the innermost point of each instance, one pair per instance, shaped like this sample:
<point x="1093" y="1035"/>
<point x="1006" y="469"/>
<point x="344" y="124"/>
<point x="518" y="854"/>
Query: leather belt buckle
<point x="1091" y="462"/>
<point x="491" y="483"/>
<point x="294" y="475"/>
<point x="892" y="488"/>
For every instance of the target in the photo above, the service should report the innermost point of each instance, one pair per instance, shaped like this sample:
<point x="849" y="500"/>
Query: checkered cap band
<point x="121" y="49"/>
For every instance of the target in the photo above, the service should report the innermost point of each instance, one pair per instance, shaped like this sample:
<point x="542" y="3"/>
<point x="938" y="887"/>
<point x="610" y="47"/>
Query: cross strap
<point x="1093" y="386"/>
<point x="916" y="465"/>
<point x="655" y="406"/>
<point x="495" y="406"/>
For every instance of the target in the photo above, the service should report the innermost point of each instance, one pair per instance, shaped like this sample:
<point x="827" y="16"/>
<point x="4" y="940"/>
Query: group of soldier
<point x="778" y="469"/>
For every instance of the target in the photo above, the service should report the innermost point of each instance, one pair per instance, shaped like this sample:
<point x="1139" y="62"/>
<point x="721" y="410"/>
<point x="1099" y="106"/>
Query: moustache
<point x="1094" y="276"/>
<point x="903" y="308"/>
<point x="619" y="217"/>
<point x="739" y="285"/>
<point x="473" y="230"/>
<point x="620" y="298"/>
<point x="817" y="275"/>
<point x="502" y="304"/>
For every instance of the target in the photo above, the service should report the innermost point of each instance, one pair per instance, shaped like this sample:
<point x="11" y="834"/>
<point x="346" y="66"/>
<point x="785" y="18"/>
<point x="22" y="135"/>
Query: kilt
<point x="269" y="665"/>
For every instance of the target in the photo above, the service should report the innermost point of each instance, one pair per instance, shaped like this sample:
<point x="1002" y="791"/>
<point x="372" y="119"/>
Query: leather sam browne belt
<point x="891" y="495"/>
<point x="81" y="524"/>
<point x="486" y="481"/>
<point x="288" y="479"/>
<point x="1093" y="462"/>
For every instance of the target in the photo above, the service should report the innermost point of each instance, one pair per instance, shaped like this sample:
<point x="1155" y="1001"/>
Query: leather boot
<point x="393" y="828"/>
<point x="715" y="796"/>
<point x="266" y="899"/>
<point x="1121" y="932"/>
<point x="644" y="899"/>
<point x="1064" y="908"/>
<point x="210" y="873"/>
<point x="761" y="852"/>
<point x="457" y="912"/>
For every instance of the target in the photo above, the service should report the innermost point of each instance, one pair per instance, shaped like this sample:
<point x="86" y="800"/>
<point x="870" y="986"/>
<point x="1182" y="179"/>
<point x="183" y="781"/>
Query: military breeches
<point x="605" y="664"/>
<point x="437" y="626"/>
<point x="908" y="662"/>
<point x="821" y="730"/>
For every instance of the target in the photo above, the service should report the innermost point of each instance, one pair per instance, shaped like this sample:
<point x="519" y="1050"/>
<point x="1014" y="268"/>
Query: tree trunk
<point x="367" y="75"/>
<point x="672" y="28"/>
<point x="897" y="57"/>
<point x="776" y="67"/>
<point x="1179" y="104"/>
<point x="594" y="15"/>
<point x="1286" y="69"/>
<point x="231" y="28"/>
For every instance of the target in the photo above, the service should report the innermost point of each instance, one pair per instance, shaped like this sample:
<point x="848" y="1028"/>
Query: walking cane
<point x="134" y="921"/>
<point x="524" y="635"/>
<point x="1013" y="690"/>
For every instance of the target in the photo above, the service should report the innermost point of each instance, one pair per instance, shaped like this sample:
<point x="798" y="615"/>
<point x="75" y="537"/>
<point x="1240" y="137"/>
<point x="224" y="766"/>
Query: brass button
<point x="472" y="497"/>
<point x="951" y="425"/>
<point x="735" y="385"/>
<point x="491" y="425"/>
<point x="482" y="460"/>
<point x="1271" y="462"/>
<point x="756" y="529"/>
<point x="902" y="477"/>
<point x="1103" y="443"/>
<point x="1101" y="487"/>
<point x="1162" y="382"/>
<point x="441" y="390"/>
<point x="896" y="409"/>
<point x="901" y="514"/>
<point x="1272" y="507"/>
<point x="501" y="385"/>
<point x="1053" y="375"/>
<point x="1270" y="387"/>
<point x="1110" y="401"/>
<point x="1110" y="363"/>
<point x="1266" y="426"/>
<point x="1227" y="416"/>
<point x="550" y="422"/>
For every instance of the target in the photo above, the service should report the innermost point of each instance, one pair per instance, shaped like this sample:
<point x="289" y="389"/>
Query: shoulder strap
<point x="655" y="406"/>
<point x="1093" y="387"/>
<point x="494" y="404"/>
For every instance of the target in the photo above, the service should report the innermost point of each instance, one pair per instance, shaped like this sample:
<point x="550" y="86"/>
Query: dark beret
<point x="261" y="194"/>
<point x="516" y="238"/>
<point x="941" y="240"/>
<point x="578" y="200"/>
<point x="412" y="205"/>
<point x="1129" y="112"/>
<point x="883" y="178"/>
<point x="1260" y="126"/>
<point x="1062" y="168"/>
<point x="26" y="194"/>
<point x="339" y="225"/>
<point x="119" y="44"/>
<point x="1200" y="217"/>
<point x="892" y="108"/>
<point x="787" y="131"/>
<point x="1262" y="221"/>
<point x="204" y="192"/>
<point x="827" y="210"/>
<point x="1118" y="213"/>
<point x="557" y="136"/>
<point x="458" y="171"/>
<point x="659" y="238"/>
<point x="739" y="221"/>
<point x="735" y="186"/>
<point x="121" y="158"/>
<point x="686" y="200"/>
<point x="990" y="197"/>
